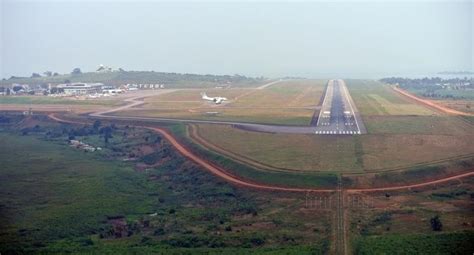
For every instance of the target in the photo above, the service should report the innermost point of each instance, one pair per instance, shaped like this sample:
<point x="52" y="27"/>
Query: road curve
<point x="222" y="173"/>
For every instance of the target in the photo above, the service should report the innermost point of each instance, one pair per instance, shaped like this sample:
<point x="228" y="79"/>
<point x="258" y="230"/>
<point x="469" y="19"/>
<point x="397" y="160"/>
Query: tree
<point x="436" y="224"/>
<point x="48" y="73"/>
<point x="55" y="74"/>
<point x="67" y="81"/>
<point x="96" y="125"/>
<point x="35" y="75"/>
<point x="107" y="131"/>
<point x="76" y="70"/>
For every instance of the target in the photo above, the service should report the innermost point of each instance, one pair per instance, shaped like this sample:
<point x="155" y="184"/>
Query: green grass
<point x="445" y="243"/>
<point x="315" y="180"/>
<point x="294" y="152"/>
<point x="290" y="117"/>
<point x="375" y="98"/>
<point x="430" y="125"/>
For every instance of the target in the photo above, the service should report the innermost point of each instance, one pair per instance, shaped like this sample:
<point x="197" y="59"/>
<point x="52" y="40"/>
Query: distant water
<point x="380" y="76"/>
<point x="443" y="76"/>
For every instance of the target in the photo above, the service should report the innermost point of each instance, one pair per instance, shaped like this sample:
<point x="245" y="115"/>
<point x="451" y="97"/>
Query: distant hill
<point x="173" y="80"/>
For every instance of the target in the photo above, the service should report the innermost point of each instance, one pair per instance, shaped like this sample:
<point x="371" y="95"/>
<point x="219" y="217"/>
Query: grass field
<point x="341" y="153"/>
<point x="434" y="125"/>
<point x="376" y="98"/>
<point x="297" y="152"/>
<point x="287" y="179"/>
<point x="288" y="102"/>
<point x="460" y="105"/>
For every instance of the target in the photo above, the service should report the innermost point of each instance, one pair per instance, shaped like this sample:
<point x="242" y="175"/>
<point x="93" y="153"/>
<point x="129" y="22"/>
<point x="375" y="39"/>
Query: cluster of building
<point x="92" y="90"/>
<point x="83" y="146"/>
<point x="455" y="85"/>
<point x="79" y="88"/>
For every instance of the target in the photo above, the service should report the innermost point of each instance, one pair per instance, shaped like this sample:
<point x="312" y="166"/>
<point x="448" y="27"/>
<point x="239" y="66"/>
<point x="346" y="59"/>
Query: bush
<point x="436" y="224"/>
<point x="257" y="241"/>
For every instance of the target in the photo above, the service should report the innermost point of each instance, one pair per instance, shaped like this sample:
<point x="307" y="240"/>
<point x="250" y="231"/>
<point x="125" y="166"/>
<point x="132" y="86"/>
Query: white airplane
<point x="216" y="100"/>
<point x="113" y="91"/>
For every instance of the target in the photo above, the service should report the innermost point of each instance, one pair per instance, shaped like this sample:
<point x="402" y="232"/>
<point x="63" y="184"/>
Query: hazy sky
<point x="313" y="39"/>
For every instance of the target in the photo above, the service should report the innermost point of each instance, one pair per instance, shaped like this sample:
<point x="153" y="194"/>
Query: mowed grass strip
<point x="284" y="179"/>
<point x="432" y="125"/>
<point x="386" y="152"/>
<point x="375" y="98"/>
<point x="340" y="153"/>
<point x="299" y="152"/>
<point x="264" y="116"/>
<point x="293" y="93"/>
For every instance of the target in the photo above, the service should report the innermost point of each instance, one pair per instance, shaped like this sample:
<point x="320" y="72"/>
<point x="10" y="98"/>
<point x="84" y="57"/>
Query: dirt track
<point x="431" y="103"/>
<point x="218" y="171"/>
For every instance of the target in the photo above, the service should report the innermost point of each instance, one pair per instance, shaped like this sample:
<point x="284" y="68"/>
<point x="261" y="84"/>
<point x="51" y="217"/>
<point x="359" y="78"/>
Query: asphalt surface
<point x="338" y="114"/>
<point x="337" y="101"/>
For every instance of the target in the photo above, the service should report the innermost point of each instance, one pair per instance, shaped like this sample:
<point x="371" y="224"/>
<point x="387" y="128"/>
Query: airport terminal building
<point x="80" y="88"/>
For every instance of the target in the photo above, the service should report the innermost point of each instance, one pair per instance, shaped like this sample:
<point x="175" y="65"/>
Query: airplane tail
<point x="203" y="95"/>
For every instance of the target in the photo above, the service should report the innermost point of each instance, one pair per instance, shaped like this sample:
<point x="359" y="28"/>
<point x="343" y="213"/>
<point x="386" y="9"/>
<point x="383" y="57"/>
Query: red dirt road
<point x="218" y="171"/>
<point x="431" y="103"/>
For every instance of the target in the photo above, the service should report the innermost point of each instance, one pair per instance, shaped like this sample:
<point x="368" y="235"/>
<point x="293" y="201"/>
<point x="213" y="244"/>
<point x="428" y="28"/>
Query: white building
<point x="80" y="88"/>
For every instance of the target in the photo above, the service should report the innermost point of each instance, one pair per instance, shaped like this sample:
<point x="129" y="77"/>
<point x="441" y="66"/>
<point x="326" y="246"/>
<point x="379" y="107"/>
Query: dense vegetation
<point x="447" y="243"/>
<point x="58" y="199"/>
<point x="438" y="88"/>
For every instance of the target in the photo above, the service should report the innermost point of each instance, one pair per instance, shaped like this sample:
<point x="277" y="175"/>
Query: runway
<point x="338" y="114"/>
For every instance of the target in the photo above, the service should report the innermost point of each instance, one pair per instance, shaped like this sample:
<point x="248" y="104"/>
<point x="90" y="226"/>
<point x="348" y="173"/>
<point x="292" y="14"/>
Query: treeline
<point x="427" y="82"/>
<point x="436" y="87"/>
<point x="144" y="77"/>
